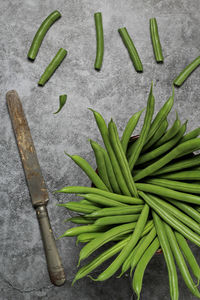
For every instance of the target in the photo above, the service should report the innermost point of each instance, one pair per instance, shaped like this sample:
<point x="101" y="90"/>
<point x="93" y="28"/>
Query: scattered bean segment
<point x="39" y="36"/>
<point x="131" y="49"/>
<point x="62" y="100"/>
<point x="54" y="64"/>
<point x="100" y="40"/>
<point x="156" y="40"/>
<point x="186" y="72"/>
<point x="119" y="209"/>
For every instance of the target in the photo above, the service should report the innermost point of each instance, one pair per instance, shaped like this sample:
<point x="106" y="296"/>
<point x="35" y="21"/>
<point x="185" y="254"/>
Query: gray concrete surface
<point x="116" y="91"/>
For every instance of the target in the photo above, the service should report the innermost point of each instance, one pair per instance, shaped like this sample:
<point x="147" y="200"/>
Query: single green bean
<point x="170" y="133"/>
<point x="101" y="164"/>
<point x="181" y="262"/>
<point x="80" y="220"/>
<point x="109" y="195"/>
<point x="40" y="34"/>
<point x="156" y="40"/>
<point x="100" y="40"/>
<point x="176" y="185"/>
<point x="92" y="198"/>
<point x="87" y="237"/>
<point x="132" y="123"/>
<point x="191" y="135"/>
<point x="139" y="143"/>
<point x="82" y="229"/>
<point x="166" y="192"/>
<point x="157" y="136"/>
<point x="180" y="165"/>
<point x="131" y="49"/>
<point x="85" y="270"/>
<point x="188" y="254"/>
<point x="171" y="220"/>
<point x="62" y="100"/>
<point x="186" y="72"/>
<point x="108" y="235"/>
<point x="79" y="207"/>
<point x="163" y="148"/>
<point x="116" y="211"/>
<point x="116" y="220"/>
<point x="141" y="266"/>
<point x="181" y="149"/>
<point x="83" y="201"/>
<point x="165" y="246"/>
<point x="116" y="168"/>
<point x="54" y="64"/>
<point x="136" y="235"/>
<point x="120" y="155"/>
<point x="183" y="175"/>
<point x="86" y="167"/>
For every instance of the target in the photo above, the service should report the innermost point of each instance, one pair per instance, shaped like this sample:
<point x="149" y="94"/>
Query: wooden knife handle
<point x="54" y="265"/>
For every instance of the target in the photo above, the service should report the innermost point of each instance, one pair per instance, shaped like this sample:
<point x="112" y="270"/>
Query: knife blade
<point x="36" y="184"/>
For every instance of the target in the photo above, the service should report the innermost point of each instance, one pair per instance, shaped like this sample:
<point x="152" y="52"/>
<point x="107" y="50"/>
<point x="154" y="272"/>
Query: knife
<point x="36" y="185"/>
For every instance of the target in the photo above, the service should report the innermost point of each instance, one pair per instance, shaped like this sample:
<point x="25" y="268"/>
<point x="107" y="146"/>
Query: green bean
<point x="82" y="229"/>
<point x="127" y="263"/>
<point x="86" y="167"/>
<point x="141" y="249"/>
<point x="117" y="220"/>
<point x="101" y="164"/>
<point x="180" y="165"/>
<point x="141" y="266"/>
<point x="139" y="143"/>
<point x="87" y="237"/>
<point x="171" y="220"/>
<point x="117" y="171"/>
<point x="62" y="100"/>
<point x="100" y="40"/>
<point x="83" y="201"/>
<point x="165" y="246"/>
<point x="80" y="220"/>
<point x="116" y="211"/>
<point x="54" y="64"/>
<point x="87" y="190"/>
<point x="183" y="175"/>
<point x="191" y="135"/>
<point x="79" y="207"/>
<point x="108" y="235"/>
<point x="180" y="261"/>
<point x="131" y="49"/>
<point x="184" y="218"/>
<point x="188" y="209"/>
<point x="92" y="198"/>
<point x="156" y="40"/>
<point x="39" y="36"/>
<point x="188" y="254"/>
<point x="85" y="270"/>
<point x="136" y="235"/>
<point x="186" y="72"/>
<point x="132" y="123"/>
<point x="170" y="133"/>
<point x="181" y="149"/>
<point x="163" y="148"/>
<point x="157" y="136"/>
<point x="161" y="116"/>
<point x="176" y="185"/>
<point x="123" y="163"/>
<point x="165" y="192"/>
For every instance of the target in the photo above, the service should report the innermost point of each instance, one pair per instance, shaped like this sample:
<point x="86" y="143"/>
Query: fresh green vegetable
<point x="100" y="40"/>
<point x="186" y="72"/>
<point x="62" y="99"/>
<point x="156" y="40"/>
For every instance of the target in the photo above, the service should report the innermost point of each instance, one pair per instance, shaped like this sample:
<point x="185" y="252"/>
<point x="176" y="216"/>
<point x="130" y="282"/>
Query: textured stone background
<point x="116" y="91"/>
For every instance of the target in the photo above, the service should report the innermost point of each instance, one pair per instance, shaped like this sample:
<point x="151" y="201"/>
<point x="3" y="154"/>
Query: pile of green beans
<point x="145" y="196"/>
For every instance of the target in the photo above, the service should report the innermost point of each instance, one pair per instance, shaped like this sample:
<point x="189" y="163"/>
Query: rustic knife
<point x="36" y="185"/>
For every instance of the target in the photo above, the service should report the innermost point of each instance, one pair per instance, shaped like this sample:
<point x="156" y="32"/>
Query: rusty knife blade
<point x="34" y="178"/>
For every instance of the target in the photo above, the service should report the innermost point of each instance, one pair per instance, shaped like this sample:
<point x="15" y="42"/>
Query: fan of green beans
<point x="145" y="196"/>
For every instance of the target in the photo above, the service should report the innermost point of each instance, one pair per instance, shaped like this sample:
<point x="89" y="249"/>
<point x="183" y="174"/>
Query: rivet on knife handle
<point x="36" y="185"/>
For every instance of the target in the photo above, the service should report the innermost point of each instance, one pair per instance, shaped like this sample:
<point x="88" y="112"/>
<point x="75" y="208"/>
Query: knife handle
<point x="54" y="265"/>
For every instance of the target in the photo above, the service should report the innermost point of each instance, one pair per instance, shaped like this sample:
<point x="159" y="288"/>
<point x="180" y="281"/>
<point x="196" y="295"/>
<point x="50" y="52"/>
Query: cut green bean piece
<point x="40" y="34"/>
<point x="62" y="100"/>
<point x="54" y="64"/>
<point x="186" y="72"/>
<point x="100" y="40"/>
<point x="156" y="40"/>
<point x="131" y="49"/>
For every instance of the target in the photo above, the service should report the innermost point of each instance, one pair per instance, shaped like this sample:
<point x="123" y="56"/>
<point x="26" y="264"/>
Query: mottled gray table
<point x="117" y="91"/>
